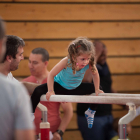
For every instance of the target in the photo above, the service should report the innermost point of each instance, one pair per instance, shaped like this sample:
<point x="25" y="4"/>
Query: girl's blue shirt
<point x="68" y="80"/>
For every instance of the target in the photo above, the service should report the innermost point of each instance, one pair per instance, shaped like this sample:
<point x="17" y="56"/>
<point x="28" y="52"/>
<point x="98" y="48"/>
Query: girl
<point x="66" y="76"/>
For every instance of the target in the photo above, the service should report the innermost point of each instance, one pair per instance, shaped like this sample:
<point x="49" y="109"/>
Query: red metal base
<point x="45" y="134"/>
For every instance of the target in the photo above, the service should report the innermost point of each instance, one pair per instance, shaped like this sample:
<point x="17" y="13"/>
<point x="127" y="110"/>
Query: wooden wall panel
<point x="76" y="135"/>
<point x="122" y="47"/>
<point x="59" y="48"/>
<point x="6" y="0"/>
<point x="135" y="134"/>
<point x="116" y="114"/>
<point x="61" y="12"/>
<point x="41" y="30"/>
<point x="126" y="82"/>
<point x="72" y="135"/>
<point x="117" y="65"/>
<point x="112" y="1"/>
<point x="124" y="65"/>
<point x="55" y="48"/>
<point x="120" y="82"/>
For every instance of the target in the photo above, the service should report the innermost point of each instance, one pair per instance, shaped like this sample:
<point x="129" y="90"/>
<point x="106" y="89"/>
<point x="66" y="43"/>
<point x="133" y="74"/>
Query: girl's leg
<point x="38" y="92"/>
<point x="83" y="89"/>
<point x="43" y="89"/>
<point x="88" y="88"/>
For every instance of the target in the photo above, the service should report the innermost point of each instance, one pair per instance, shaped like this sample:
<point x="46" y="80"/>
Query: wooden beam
<point x="71" y="0"/>
<point x="114" y="47"/>
<point x="43" y="30"/>
<point x="55" y="48"/>
<point x="116" y="114"/>
<point x="117" y="65"/>
<point x="124" y="65"/>
<point x="120" y="82"/>
<point x="126" y="82"/>
<point x="76" y="135"/>
<point x="70" y="11"/>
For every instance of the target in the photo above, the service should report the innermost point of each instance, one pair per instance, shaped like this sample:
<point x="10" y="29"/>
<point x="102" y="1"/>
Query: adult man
<point x="12" y="58"/>
<point x="102" y="127"/>
<point x="38" y="62"/>
<point x="13" y="55"/>
<point x="15" y="119"/>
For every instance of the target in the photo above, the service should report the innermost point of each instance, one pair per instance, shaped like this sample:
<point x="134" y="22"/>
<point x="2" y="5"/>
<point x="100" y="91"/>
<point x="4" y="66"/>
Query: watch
<point x="60" y="132"/>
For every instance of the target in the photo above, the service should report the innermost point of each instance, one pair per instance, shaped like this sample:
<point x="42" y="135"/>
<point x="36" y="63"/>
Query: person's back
<point x="14" y="111"/>
<point x="15" y="119"/>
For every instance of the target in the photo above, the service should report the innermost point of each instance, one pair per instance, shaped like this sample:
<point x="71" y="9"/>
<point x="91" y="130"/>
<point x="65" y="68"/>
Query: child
<point x="66" y="76"/>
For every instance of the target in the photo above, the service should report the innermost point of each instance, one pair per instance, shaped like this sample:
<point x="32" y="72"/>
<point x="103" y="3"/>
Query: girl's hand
<point x="48" y="94"/>
<point x="98" y="91"/>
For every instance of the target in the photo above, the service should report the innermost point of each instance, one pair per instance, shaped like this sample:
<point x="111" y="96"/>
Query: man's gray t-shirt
<point x="15" y="109"/>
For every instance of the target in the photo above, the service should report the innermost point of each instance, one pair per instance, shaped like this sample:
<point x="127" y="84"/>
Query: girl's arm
<point x="55" y="70"/>
<point x="96" y="80"/>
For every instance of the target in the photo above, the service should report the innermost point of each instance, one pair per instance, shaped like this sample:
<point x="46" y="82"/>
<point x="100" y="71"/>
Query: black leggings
<point x="82" y="89"/>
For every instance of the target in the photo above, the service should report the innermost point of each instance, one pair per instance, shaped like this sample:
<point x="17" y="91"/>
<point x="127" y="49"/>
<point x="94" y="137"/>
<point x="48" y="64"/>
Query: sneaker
<point x="89" y="114"/>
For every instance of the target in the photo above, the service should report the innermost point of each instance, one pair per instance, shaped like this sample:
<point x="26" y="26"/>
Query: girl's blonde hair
<point x="80" y="46"/>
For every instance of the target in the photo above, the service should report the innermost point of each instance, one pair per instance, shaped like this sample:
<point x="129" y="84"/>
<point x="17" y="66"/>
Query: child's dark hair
<point x="80" y="46"/>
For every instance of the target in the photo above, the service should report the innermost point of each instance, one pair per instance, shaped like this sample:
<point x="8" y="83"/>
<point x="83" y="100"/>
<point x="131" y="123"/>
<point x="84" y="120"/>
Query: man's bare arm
<point x="24" y="135"/>
<point x="68" y="113"/>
